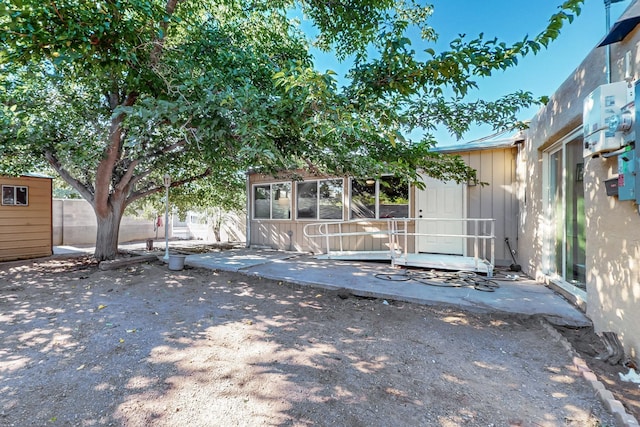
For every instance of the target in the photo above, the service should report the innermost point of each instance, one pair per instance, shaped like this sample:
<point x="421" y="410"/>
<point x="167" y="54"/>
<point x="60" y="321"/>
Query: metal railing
<point x="480" y="230"/>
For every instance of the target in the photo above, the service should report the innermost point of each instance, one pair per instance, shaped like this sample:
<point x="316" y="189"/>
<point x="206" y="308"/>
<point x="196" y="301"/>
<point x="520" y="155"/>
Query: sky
<point x="510" y="21"/>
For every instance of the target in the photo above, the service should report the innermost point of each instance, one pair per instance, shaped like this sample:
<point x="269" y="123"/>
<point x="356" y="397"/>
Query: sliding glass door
<point x="566" y="218"/>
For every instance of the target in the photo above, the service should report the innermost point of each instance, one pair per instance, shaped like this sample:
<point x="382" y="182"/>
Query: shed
<point x="25" y="217"/>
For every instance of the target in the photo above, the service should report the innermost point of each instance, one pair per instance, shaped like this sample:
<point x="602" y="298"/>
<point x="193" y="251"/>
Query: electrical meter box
<point x="608" y="117"/>
<point x="626" y="174"/>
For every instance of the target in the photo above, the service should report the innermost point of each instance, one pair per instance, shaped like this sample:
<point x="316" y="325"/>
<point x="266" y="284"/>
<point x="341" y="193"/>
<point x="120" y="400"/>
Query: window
<point x="386" y="197"/>
<point x="319" y="199"/>
<point x="272" y="201"/>
<point x="363" y="198"/>
<point x="15" y="195"/>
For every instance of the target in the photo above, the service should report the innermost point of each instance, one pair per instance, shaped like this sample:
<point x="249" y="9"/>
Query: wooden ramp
<point x="423" y="260"/>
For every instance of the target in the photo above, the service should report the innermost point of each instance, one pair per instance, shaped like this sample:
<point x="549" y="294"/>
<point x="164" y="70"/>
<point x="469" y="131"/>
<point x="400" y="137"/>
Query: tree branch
<point x="64" y="174"/>
<point x="55" y="8"/>
<point x="104" y="172"/>
<point x="140" y="194"/>
<point x="159" y="42"/>
<point x="139" y="177"/>
<point x="113" y="152"/>
<point x="168" y="148"/>
<point x="126" y="178"/>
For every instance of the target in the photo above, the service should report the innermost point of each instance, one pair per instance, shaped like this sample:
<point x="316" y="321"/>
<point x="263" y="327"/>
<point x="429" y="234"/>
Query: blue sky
<point x="510" y="21"/>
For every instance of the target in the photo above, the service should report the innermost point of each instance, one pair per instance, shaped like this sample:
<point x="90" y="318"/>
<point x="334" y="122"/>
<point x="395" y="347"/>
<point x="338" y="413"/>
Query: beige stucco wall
<point x="558" y="118"/>
<point x="612" y="227"/>
<point x="233" y="228"/>
<point x="74" y="223"/>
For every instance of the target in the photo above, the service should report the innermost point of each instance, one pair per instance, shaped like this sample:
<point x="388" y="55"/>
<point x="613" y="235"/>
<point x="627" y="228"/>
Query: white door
<point x="440" y="200"/>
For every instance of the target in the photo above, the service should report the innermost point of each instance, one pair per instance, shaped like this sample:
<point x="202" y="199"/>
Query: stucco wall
<point x="232" y="229"/>
<point x="613" y="260"/>
<point x="74" y="223"/>
<point x="559" y="117"/>
<point x="612" y="227"/>
<point x="613" y="235"/>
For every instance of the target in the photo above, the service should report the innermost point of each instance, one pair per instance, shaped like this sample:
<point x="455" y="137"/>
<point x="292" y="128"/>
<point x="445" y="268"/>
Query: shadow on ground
<point x="146" y="346"/>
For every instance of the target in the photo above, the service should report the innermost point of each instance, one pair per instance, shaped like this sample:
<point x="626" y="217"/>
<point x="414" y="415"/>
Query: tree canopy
<point x="113" y="94"/>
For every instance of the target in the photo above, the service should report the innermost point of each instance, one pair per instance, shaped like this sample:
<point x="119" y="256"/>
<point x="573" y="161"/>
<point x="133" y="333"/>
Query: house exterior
<point x="565" y="193"/>
<point x="495" y="163"/>
<point x="25" y="217"/>
<point x="281" y="209"/>
<point x="581" y="238"/>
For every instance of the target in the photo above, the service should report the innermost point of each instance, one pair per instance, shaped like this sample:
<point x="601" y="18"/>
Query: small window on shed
<point x="13" y="195"/>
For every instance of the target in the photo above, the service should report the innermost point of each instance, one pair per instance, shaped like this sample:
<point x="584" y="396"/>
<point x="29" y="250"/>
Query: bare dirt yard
<point x="145" y="346"/>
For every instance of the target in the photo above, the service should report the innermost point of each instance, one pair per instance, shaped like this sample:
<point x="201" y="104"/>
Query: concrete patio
<point x="515" y="294"/>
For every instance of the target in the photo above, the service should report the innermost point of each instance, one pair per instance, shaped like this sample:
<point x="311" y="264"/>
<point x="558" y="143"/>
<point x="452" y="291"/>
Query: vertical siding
<point x="497" y="200"/>
<point x="275" y="233"/>
<point x="25" y="231"/>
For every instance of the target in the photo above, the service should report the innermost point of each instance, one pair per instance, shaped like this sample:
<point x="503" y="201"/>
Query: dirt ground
<point x="589" y="346"/>
<point x="145" y="346"/>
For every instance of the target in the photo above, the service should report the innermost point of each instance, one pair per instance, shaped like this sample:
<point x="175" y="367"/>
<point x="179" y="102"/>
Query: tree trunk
<point x="107" y="233"/>
<point x="214" y="221"/>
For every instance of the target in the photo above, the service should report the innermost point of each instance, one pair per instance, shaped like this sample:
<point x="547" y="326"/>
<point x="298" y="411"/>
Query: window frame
<point x="377" y="189"/>
<point x="556" y="256"/>
<point x="317" y="215"/>
<point x="271" y="200"/>
<point x="15" y="195"/>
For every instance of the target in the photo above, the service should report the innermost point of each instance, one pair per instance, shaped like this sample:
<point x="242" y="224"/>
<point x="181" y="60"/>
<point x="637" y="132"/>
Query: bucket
<point x="176" y="262"/>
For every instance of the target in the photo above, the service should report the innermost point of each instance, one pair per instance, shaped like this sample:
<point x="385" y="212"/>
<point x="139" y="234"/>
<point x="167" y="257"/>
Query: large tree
<point x="114" y="94"/>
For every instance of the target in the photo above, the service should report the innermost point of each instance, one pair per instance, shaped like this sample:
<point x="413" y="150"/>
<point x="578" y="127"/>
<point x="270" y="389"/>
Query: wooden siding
<point x="275" y="233"/>
<point x="25" y="231"/>
<point x="497" y="200"/>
